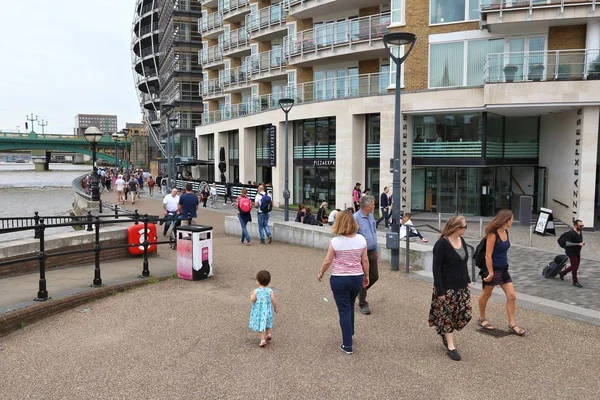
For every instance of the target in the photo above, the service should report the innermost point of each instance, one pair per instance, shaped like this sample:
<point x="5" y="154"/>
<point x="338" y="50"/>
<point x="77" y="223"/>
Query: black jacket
<point x="449" y="270"/>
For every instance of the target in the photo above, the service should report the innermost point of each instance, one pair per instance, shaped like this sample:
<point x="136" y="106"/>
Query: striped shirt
<point x="348" y="252"/>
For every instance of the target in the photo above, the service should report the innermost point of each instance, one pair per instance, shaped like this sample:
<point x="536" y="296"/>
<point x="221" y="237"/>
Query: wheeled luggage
<point x="552" y="269"/>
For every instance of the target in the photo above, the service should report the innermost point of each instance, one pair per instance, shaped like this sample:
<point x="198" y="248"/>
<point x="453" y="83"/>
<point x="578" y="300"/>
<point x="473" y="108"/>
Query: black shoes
<point x="270" y="239"/>
<point x="561" y="276"/>
<point x="453" y="354"/>
<point x="577" y="284"/>
<point x="365" y="309"/>
<point x="347" y="350"/>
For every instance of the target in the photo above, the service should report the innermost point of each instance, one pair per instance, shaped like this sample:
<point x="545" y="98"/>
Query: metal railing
<point x="512" y="5"/>
<point x="211" y="54"/>
<point x="227" y="6"/>
<point x="336" y="34"/>
<point x="265" y="18"/>
<point x="234" y="76"/>
<point x="191" y="6"/>
<point x="212" y="87"/>
<point x="212" y="21"/>
<point x="186" y="35"/>
<point x="146" y="51"/>
<point x="541" y="65"/>
<point x="266" y="62"/>
<point x="148" y="28"/>
<point x="234" y="39"/>
<point x="147" y="8"/>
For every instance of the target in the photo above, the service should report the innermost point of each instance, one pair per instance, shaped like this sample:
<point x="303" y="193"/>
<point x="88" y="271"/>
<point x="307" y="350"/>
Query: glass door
<point x="468" y="183"/>
<point x="447" y="196"/>
<point x="539" y="197"/>
<point x="517" y="46"/>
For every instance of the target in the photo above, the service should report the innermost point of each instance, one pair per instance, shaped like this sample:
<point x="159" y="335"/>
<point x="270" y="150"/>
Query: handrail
<point x="212" y="21"/>
<point x="211" y="54"/>
<point x="266" y="17"/>
<point x="512" y="5"/>
<point x="212" y="87"/>
<point x="234" y="39"/>
<point x="560" y="202"/>
<point x="267" y="61"/>
<point x="232" y="5"/>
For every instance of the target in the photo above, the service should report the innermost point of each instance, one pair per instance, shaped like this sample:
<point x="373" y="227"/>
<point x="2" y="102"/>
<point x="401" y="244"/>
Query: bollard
<point x="42" y="294"/>
<point x="407" y="250"/>
<point x="89" y="219"/>
<point x="116" y="212"/>
<point x="439" y="221"/>
<point x="36" y="218"/>
<point x="480" y="227"/>
<point x="97" y="278"/>
<point x="530" y="236"/>
<point x="136" y="217"/>
<point x="145" y="271"/>
<point x="100" y="206"/>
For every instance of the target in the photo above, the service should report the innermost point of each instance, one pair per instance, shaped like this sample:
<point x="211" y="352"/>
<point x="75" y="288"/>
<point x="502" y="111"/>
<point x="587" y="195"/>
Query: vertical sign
<point x="195" y="148"/>
<point x="404" y="162"/>
<point x="272" y="145"/>
<point x="576" y="164"/>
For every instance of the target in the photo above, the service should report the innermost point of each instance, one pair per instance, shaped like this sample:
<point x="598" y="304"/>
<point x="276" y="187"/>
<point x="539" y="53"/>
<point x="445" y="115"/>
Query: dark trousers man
<point x="572" y="268"/>
<point x="384" y="217"/>
<point x="373" y="277"/>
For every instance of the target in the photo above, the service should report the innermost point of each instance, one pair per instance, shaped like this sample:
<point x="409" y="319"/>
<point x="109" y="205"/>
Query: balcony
<point x="267" y="65"/>
<point x="187" y="7"/>
<point x="236" y="43"/>
<point x="503" y="15"/>
<point x="300" y="9"/>
<point x="210" y="3"/>
<point x="212" y="88"/>
<point x="146" y="29"/>
<point x="211" y="57"/>
<point x="310" y="92"/>
<point x="557" y="65"/>
<point x="267" y="23"/>
<point x="234" y="10"/>
<point x="234" y="79"/>
<point x="212" y="25"/>
<point x="354" y="39"/>
<point x="184" y="35"/>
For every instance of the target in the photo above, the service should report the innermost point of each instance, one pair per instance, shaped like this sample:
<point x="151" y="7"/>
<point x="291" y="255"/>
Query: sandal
<point x="269" y="338"/>
<point x="263" y="343"/>
<point x="516" y="330"/>
<point x="485" y="324"/>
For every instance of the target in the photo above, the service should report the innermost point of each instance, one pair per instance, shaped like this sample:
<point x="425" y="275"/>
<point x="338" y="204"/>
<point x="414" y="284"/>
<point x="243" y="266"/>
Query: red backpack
<point x="245" y="204"/>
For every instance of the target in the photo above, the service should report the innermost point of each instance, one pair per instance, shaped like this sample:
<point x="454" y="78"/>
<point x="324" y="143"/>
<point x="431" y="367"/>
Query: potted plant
<point x="564" y="72"/>
<point x="536" y="71"/>
<point x="509" y="72"/>
<point x="594" y="69"/>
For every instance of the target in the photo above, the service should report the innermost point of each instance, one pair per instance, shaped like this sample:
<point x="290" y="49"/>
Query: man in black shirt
<point x="573" y="251"/>
<point x="384" y="205"/>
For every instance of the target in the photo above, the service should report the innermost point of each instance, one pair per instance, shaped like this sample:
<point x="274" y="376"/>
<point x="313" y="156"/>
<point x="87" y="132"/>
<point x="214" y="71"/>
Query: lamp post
<point x="93" y="135"/>
<point x="115" y="137"/>
<point x="166" y="110"/>
<point x="173" y="121"/>
<point x="43" y="124"/>
<point x="394" y="41"/>
<point x="32" y="120"/>
<point x="286" y="105"/>
<point x="125" y="133"/>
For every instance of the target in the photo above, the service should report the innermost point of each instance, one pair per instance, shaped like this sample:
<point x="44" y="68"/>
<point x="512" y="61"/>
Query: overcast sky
<point x="66" y="57"/>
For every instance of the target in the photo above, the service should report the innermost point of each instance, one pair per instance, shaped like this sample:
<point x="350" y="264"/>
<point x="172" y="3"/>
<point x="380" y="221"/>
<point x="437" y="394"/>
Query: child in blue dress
<point x="261" y="315"/>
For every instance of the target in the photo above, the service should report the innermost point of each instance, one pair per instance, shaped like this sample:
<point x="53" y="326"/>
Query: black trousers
<point x="373" y="277"/>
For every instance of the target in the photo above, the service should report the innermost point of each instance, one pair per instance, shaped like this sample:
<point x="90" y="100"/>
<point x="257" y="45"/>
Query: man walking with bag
<point x="574" y="243"/>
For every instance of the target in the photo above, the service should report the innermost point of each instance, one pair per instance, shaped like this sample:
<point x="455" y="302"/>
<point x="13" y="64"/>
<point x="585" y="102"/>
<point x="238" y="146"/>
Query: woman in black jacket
<point x="451" y="300"/>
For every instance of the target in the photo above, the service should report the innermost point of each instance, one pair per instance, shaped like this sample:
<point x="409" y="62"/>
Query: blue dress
<point x="261" y="314"/>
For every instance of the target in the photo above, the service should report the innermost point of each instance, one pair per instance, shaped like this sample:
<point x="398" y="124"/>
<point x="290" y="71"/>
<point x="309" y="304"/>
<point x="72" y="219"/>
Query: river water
<point x="24" y="191"/>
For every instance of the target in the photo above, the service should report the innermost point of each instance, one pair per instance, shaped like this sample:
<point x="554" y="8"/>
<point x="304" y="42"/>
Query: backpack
<point x="479" y="254"/>
<point x="562" y="240"/>
<point x="266" y="203"/>
<point x="245" y="204"/>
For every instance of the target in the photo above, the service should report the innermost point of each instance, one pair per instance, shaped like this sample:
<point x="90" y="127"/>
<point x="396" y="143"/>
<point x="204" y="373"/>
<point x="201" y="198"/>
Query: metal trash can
<point x="194" y="252"/>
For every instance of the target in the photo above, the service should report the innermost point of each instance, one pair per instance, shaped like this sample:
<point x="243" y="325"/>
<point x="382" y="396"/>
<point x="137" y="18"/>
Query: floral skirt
<point x="451" y="314"/>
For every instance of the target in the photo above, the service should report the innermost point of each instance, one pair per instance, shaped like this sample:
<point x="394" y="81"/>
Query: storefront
<point x="314" y="161"/>
<point x="264" y="171"/>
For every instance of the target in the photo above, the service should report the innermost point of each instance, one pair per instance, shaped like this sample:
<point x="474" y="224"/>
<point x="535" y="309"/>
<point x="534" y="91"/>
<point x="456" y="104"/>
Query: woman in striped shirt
<point x="348" y="254"/>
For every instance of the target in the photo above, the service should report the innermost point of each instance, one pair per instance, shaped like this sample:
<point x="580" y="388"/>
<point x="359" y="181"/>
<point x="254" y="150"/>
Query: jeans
<point x="213" y="201"/>
<point x="345" y="289"/>
<point x="373" y="277"/>
<point x="263" y="226"/>
<point x="413" y="234"/>
<point x="245" y="233"/>
<point x="384" y="217"/>
<point x="573" y="267"/>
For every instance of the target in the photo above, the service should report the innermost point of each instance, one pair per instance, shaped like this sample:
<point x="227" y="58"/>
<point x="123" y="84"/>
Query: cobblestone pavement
<point x="189" y="340"/>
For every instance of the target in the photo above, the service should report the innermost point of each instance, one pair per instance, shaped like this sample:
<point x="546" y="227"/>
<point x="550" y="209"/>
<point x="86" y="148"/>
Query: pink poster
<point x="205" y="254"/>
<point x="184" y="259"/>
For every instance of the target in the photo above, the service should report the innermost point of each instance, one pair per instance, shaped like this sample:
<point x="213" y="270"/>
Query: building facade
<point x="106" y="123"/>
<point x="500" y="99"/>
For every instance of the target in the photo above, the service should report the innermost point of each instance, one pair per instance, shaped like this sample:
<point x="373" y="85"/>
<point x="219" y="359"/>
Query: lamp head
<point x="116" y="136"/>
<point x="396" y="39"/>
<point x="173" y="121"/>
<point x="93" y="134"/>
<point x="125" y="131"/>
<point x="286" y="104"/>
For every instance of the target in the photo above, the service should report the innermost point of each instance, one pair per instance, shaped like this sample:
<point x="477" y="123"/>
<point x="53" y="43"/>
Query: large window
<point x="233" y="139"/>
<point x="449" y="11"/>
<point x="397" y="12"/>
<point x="446" y="64"/>
<point x="447" y="136"/>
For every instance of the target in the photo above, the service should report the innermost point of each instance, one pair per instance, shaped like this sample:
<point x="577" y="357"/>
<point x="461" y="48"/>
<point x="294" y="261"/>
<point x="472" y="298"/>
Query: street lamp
<point x="166" y="110"/>
<point x="394" y="41"/>
<point x="286" y="105"/>
<point x="125" y="133"/>
<point x="93" y="135"/>
<point x="173" y="121"/>
<point x="115" y="137"/>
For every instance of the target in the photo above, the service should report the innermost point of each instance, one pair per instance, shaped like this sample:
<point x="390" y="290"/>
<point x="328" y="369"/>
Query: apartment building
<point x="500" y="98"/>
<point x="106" y="123"/>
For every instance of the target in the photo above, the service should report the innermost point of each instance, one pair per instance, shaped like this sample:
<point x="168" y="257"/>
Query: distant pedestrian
<point x="332" y="216"/>
<point x="188" y="205"/>
<point x="384" y="207"/>
<point x="244" y="207"/>
<point x="120" y="189"/>
<point x="228" y="193"/>
<point x="451" y="307"/>
<point x="496" y="271"/>
<point x="366" y="227"/>
<point x="205" y="193"/>
<point x="213" y="195"/>
<point x="412" y="232"/>
<point x="264" y="303"/>
<point x="163" y="186"/>
<point x="133" y="186"/>
<point x="573" y="251"/>
<point x="348" y="253"/>
<point x="151" y="185"/>
<point x="356" y="196"/>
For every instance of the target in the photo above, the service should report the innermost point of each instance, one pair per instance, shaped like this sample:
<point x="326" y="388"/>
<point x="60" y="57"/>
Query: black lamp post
<point x="166" y="110"/>
<point x="116" y="137"/>
<point x="391" y="41"/>
<point x="93" y="135"/>
<point x="173" y="121"/>
<point x="125" y="133"/>
<point x="286" y="105"/>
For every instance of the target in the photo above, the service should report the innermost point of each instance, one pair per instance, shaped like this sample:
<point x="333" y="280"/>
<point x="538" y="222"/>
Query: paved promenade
<point x="189" y="340"/>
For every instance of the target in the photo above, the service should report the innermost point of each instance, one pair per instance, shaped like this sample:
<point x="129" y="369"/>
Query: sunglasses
<point x="463" y="227"/>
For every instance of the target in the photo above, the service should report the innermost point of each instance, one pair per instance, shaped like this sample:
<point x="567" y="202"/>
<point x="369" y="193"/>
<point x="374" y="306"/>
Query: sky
<point x="61" y="58"/>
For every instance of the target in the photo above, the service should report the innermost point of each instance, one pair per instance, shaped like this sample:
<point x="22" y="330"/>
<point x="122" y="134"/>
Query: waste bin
<point x="194" y="252"/>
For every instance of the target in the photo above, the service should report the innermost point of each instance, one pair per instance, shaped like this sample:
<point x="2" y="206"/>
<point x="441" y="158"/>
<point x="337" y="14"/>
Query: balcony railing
<point x="147" y="8"/>
<point x="324" y="90"/>
<point x="267" y="17"/>
<point x="553" y="65"/>
<point x="212" y="87"/>
<point x="343" y="33"/>
<point x="148" y="28"/>
<point x="212" y="21"/>
<point x="227" y="6"/>
<point x="187" y="35"/>
<point x="234" y="39"/>
<point x="211" y="54"/>
<point x="146" y="51"/>
<point x="234" y="76"/>
<point x="512" y="5"/>
<point x="511" y="150"/>
<point x="268" y="61"/>
<point x="187" y="6"/>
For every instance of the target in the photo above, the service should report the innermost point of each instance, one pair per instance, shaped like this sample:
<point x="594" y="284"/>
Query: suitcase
<point x="552" y="269"/>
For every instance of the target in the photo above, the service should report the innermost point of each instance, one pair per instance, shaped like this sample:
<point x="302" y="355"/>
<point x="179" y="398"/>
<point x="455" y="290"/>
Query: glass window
<point x="446" y="63"/>
<point x="447" y="128"/>
<point x="398" y="11"/>
<point x="521" y="137"/>
<point x="398" y="52"/>
<point x="495" y="129"/>
<point x="447" y="11"/>
<point x="477" y="52"/>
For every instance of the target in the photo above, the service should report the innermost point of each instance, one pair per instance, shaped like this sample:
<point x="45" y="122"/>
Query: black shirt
<point x="383" y="202"/>
<point x="574" y="237"/>
<point x="449" y="269"/>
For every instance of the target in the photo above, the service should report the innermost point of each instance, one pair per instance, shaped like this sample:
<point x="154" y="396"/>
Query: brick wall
<point x="368" y="66"/>
<point x="569" y="37"/>
<point x="304" y="75"/>
<point x="264" y="88"/>
<point x="64" y="261"/>
<point x="363" y="12"/>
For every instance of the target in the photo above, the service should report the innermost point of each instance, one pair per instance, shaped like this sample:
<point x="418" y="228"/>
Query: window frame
<point x="392" y="72"/>
<point x="402" y="10"/>
<point x="465" y="20"/>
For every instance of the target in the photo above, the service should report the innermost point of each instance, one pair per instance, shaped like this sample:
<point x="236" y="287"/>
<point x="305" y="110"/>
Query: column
<point x="221" y="139"/>
<point x="350" y="156"/>
<point x="279" y="168"/>
<point x="247" y="154"/>
<point x="202" y="147"/>
<point x="592" y="35"/>
<point x="588" y="122"/>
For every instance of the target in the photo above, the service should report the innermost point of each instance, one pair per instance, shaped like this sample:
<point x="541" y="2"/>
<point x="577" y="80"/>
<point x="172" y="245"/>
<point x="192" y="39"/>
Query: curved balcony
<point x="211" y="57"/>
<point x="267" y="65"/>
<point x="212" y="89"/>
<point x="234" y="79"/>
<point x="235" y="43"/>
<point x="353" y="39"/>
<point x="310" y="92"/>
<point x="146" y="30"/>
<point x="234" y="10"/>
<point x="267" y="23"/>
<point x="504" y="15"/>
<point x="212" y="25"/>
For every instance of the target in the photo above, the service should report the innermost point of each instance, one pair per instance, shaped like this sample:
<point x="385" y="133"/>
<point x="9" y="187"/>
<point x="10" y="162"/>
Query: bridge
<point x="43" y="145"/>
